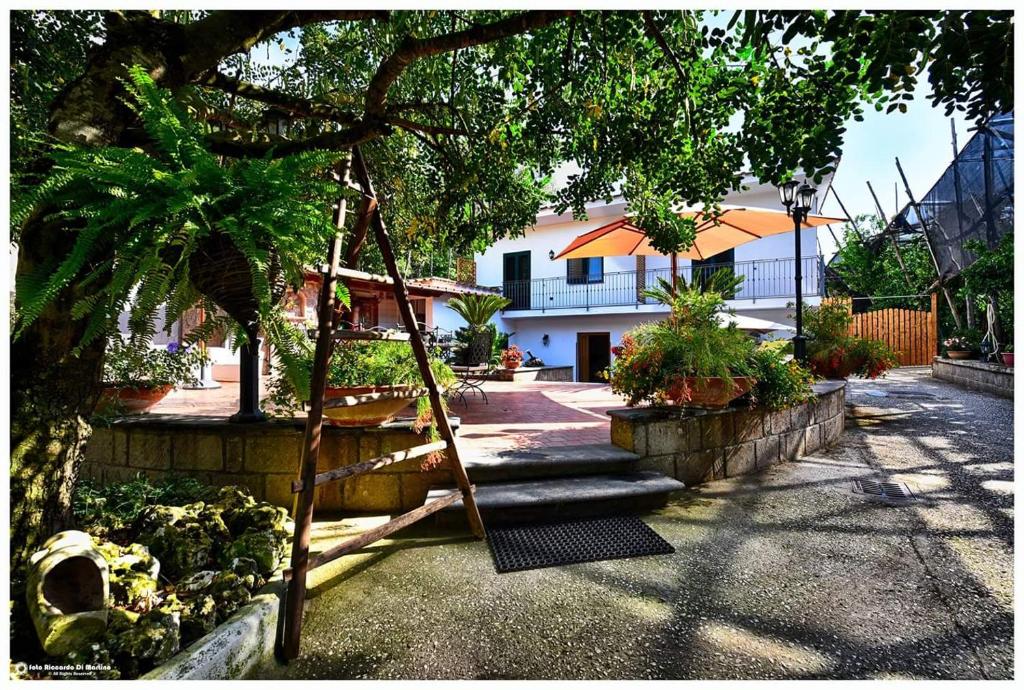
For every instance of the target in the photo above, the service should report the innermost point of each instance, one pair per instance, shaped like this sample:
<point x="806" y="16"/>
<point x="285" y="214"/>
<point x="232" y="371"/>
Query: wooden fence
<point x="912" y="333"/>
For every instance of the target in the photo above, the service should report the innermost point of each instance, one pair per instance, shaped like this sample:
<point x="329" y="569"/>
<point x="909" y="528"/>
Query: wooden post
<point x="933" y="327"/>
<point x="419" y="349"/>
<point x="303" y="513"/>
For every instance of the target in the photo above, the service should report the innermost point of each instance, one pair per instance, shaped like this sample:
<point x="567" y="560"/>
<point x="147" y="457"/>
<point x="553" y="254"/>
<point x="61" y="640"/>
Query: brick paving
<point x="516" y="415"/>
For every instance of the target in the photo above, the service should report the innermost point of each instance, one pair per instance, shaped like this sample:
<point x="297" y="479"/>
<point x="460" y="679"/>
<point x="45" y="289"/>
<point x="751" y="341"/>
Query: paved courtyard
<point x="785" y="574"/>
<point x="515" y="414"/>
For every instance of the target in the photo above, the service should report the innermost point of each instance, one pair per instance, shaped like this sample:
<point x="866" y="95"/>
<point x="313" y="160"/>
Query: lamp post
<point x="798" y="200"/>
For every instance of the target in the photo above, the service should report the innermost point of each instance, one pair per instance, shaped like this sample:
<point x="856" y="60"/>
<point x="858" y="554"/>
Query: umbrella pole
<point x="674" y="263"/>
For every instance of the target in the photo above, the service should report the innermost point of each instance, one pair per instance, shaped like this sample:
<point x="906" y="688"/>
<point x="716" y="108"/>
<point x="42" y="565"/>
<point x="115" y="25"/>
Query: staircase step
<point x="512" y="465"/>
<point x="564" y="497"/>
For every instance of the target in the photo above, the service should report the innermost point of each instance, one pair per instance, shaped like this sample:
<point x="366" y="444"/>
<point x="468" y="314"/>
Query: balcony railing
<point x="762" y="279"/>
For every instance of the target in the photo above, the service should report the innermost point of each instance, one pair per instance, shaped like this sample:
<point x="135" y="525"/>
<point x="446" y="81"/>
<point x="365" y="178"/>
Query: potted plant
<point x="478" y="310"/>
<point x="511" y="357"/>
<point x="962" y="344"/>
<point x="136" y="377"/>
<point x="1007" y="355"/>
<point x="689" y="359"/>
<point x="835" y="354"/>
<point x="362" y="368"/>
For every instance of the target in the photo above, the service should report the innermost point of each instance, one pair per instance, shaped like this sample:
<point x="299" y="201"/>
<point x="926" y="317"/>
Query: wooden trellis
<point x="327" y="335"/>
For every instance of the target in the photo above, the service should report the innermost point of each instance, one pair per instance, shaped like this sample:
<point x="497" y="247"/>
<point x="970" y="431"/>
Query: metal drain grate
<point x="894" y="491"/>
<point x="579" y="541"/>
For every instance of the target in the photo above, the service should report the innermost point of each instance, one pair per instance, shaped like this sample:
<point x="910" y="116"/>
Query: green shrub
<point x="780" y="383"/>
<point x="691" y="342"/>
<point x="834" y="353"/>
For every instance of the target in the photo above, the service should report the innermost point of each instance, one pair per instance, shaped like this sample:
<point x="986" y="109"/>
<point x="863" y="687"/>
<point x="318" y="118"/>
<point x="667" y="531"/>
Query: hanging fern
<point x="142" y="217"/>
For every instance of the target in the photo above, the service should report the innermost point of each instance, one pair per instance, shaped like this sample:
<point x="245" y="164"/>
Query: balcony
<point x="762" y="279"/>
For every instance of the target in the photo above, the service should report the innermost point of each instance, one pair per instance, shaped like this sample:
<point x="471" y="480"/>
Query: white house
<point x="572" y="312"/>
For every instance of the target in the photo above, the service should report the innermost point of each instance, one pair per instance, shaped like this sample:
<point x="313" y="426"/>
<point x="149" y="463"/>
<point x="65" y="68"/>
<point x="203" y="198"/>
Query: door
<point x="516" y="279"/>
<point x="593" y="355"/>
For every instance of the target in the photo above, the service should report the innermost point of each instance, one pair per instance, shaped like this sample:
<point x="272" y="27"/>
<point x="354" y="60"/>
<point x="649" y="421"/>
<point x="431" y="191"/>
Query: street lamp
<point x="798" y="200"/>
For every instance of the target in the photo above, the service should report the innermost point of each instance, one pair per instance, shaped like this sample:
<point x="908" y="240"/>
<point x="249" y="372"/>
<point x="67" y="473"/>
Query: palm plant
<point x="478" y="310"/>
<point x="175" y="225"/>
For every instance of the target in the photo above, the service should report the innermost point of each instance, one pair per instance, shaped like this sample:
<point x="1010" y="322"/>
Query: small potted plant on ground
<point x="136" y="376"/>
<point x="1007" y="355"/>
<point x="690" y="359"/>
<point x="511" y="357"/>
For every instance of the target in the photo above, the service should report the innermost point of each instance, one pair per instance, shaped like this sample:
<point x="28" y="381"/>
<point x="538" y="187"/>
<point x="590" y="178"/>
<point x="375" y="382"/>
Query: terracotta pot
<point x="370" y="413"/>
<point x="960" y="354"/>
<point x="713" y="392"/>
<point x="1008" y="358"/>
<point x="512" y="363"/>
<point x="132" y="399"/>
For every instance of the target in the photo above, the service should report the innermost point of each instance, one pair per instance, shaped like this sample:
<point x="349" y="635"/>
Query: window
<point x="581" y="271"/>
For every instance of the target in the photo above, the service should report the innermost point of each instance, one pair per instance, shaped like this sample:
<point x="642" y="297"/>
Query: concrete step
<point x="563" y="497"/>
<point x="564" y="461"/>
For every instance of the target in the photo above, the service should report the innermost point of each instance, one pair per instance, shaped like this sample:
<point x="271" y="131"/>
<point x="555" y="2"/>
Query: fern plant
<point x="144" y="220"/>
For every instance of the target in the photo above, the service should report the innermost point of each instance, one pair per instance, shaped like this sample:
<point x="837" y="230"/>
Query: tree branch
<point x="293" y="105"/>
<point x="411" y="49"/>
<point x="234" y="145"/>
<point x="227" y="32"/>
<point x="425" y="128"/>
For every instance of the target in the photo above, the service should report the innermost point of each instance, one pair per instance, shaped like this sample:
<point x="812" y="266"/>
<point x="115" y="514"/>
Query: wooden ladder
<point x="327" y="335"/>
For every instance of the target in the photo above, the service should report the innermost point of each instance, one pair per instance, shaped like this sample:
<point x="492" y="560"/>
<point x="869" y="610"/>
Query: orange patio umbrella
<point x="716" y="233"/>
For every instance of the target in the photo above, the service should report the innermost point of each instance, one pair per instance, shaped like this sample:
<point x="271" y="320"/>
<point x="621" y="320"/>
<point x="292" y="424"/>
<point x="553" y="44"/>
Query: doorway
<point x="593" y="355"/>
<point x="516" y="279"/>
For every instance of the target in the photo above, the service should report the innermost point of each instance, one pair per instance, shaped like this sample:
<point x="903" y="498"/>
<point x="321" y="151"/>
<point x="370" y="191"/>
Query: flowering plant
<point x="965" y="339"/>
<point x="834" y="353"/>
<point x="137" y="365"/>
<point x="512" y="354"/>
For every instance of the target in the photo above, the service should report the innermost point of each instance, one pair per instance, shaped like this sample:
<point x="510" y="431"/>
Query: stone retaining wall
<point x="546" y="373"/>
<point x="981" y="376"/>
<point x="264" y="458"/>
<point x="701" y="447"/>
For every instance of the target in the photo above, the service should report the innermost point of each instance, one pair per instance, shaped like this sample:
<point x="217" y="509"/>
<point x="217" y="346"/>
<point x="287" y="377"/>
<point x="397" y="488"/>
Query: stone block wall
<point x="702" y="447"/>
<point x="263" y="458"/>
<point x="546" y="373"/>
<point x="979" y="376"/>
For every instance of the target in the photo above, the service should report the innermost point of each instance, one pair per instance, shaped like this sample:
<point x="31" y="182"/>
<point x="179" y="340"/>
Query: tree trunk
<point x="54" y="389"/>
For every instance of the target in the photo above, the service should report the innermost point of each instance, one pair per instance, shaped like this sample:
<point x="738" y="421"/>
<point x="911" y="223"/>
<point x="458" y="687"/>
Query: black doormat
<point x="525" y="547"/>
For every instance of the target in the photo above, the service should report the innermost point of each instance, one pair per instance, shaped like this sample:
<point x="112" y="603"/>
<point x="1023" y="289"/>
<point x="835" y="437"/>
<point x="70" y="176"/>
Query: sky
<point x="922" y="140"/>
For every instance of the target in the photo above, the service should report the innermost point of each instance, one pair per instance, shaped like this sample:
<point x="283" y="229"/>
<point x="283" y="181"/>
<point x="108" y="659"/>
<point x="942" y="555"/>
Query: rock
<point x="185" y="547"/>
<point x="154" y="638"/>
<point x="152" y="522"/>
<point x="261" y="517"/>
<point x="196" y="582"/>
<point x="133" y="574"/>
<point x="198" y="618"/>
<point x="249" y="571"/>
<point x="94" y="657"/>
<point x="230" y="593"/>
<point x="66" y="591"/>
<point x="265" y="548"/>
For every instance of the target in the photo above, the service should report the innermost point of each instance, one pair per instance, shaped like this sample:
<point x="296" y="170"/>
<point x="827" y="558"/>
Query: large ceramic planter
<point x="713" y="392"/>
<point x="370" y="413"/>
<point x="512" y="363"/>
<point x="1008" y="358"/>
<point x="960" y="354"/>
<point x="133" y="399"/>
